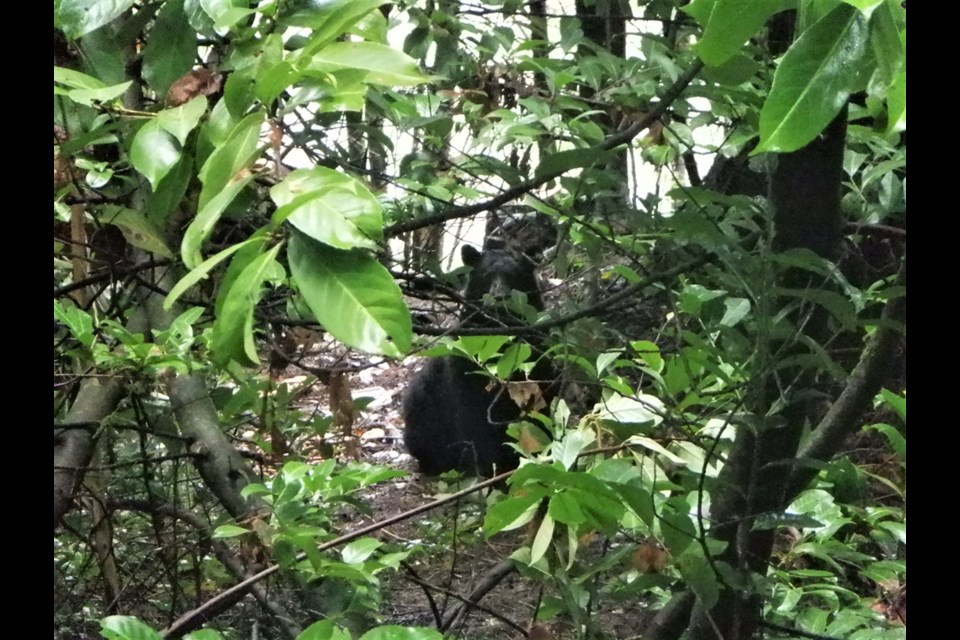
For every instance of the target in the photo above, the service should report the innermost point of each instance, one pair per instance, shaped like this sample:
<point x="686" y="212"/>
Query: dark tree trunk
<point x="805" y="197"/>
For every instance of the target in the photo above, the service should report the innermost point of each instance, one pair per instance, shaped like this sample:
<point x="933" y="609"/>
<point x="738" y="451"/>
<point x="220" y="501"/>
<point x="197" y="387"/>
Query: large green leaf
<point x="237" y="152"/>
<point x="512" y="513"/>
<point x="206" y="218"/>
<point x="171" y="48"/>
<point x="352" y="295"/>
<point x="214" y="131"/>
<point x="327" y="19"/>
<point x="78" y="17"/>
<point x="897" y="103"/>
<point x="137" y="229"/>
<point x="252" y="62"/>
<point x="394" y="632"/>
<point x="226" y="13"/>
<point x="250" y="249"/>
<point x="330" y="91"/>
<point x="329" y="206"/>
<point x="180" y="121"/>
<point x="168" y="194"/>
<point x="814" y="80"/>
<point x="233" y="328"/>
<point x="562" y="161"/>
<point x="731" y="23"/>
<point x="202" y="270"/>
<point x="154" y="152"/>
<point x="84" y="89"/>
<point x="384" y="65"/>
<point x="885" y="42"/>
<point x="275" y="81"/>
<point x="126" y="628"/>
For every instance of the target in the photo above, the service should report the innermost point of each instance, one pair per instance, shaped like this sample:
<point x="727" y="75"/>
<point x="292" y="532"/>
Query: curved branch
<point x="185" y="622"/>
<point x="73" y="447"/>
<point x="864" y="383"/>
<point x="222" y="552"/>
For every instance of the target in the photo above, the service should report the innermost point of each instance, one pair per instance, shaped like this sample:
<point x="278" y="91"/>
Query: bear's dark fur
<point x="455" y="418"/>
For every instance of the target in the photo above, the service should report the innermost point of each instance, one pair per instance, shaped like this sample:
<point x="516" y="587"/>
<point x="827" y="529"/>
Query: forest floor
<point x="451" y="557"/>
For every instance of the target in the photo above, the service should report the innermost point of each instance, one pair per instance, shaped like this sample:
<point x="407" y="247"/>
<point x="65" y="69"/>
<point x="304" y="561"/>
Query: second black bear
<point x="454" y="418"/>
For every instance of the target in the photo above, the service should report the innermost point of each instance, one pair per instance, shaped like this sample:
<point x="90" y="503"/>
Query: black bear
<point x="455" y="418"/>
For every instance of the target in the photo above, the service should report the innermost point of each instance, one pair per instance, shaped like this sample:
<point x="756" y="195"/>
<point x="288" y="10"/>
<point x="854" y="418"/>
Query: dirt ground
<point x="453" y="557"/>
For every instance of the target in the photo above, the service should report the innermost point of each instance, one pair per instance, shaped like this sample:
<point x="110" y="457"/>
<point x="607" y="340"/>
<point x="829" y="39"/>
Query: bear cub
<point x="453" y="421"/>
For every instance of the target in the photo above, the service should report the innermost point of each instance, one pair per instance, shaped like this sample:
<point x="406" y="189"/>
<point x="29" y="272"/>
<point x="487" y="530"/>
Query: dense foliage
<point x="714" y="193"/>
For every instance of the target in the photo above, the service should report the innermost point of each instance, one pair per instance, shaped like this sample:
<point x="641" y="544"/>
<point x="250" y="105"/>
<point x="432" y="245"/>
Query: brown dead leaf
<point x="528" y="442"/>
<point x="527" y="395"/>
<point x="539" y="632"/>
<point x="650" y="556"/>
<point x="199" y="82"/>
<point x="344" y="411"/>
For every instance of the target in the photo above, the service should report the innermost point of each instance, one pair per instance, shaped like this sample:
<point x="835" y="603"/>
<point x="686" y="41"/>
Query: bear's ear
<point x="470" y="256"/>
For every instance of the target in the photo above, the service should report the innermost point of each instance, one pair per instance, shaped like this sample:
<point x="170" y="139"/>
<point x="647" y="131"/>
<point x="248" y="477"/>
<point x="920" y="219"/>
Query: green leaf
<point x="897" y="442"/>
<point x="698" y="575"/>
<point x="814" y="80"/>
<point x="233" y="327"/>
<point x="78" y="322"/>
<point x="79" y="17"/>
<point x="169" y="193"/>
<point x="359" y="550"/>
<point x="229" y="531"/>
<point x="735" y="71"/>
<point x="330" y="207"/>
<point x="652" y="445"/>
<point x="559" y="163"/>
<point x="214" y="131"/>
<point x="84" y="89"/>
<point x="731" y="23"/>
<point x="896" y="402"/>
<point x="202" y="225"/>
<point x="604" y="360"/>
<point x="247" y="254"/>
<point x="324" y="630"/>
<point x="393" y="632"/>
<point x="866" y="6"/>
<point x="839" y="306"/>
<point x="352" y="295"/>
<point x="154" y="152"/>
<point x="328" y="19"/>
<point x="885" y="42"/>
<point x="772" y="521"/>
<point x="565" y="509"/>
<point x="384" y="65"/>
<point x="699" y="10"/>
<point x="571" y="446"/>
<point x="235" y="153"/>
<point x="272" y="83"/>
<point x="204" y="634"/>
<point x="137" y="230"/>
<point x="644" y="409"/>
<point x="180" y="121"/>
<point x="126" y="628"/>
<point x="542" y="540"/>
<point x="201" y="271"/>
<point x="640" y="501"/>
<point x="171" y="48"/>
<point x="511" y="513"/>
<point x="897" y="104"/>
<point x="225" y="13"/>
<point x="736" y="310"/>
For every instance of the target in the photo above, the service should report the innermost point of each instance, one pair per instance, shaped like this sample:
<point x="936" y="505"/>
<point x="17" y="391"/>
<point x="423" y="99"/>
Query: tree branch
<point x="622" y="137"/>
<point x="864" y="383"/>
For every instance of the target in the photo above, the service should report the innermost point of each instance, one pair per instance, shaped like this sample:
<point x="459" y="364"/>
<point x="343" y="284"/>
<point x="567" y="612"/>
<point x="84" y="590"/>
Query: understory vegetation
<point x="259" y="213"/>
